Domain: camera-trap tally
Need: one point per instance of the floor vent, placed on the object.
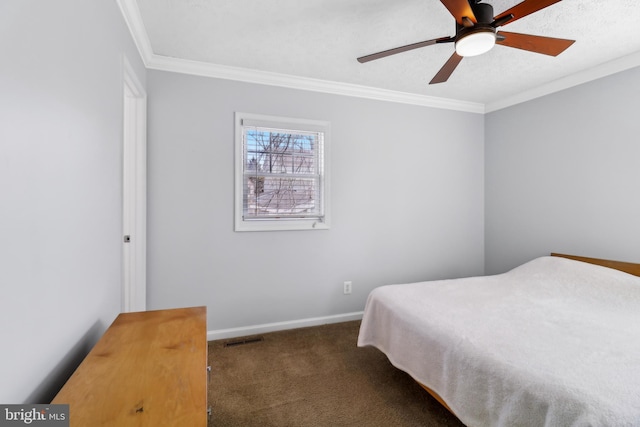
(242, 341)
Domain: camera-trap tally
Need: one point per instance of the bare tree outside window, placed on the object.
(282, 173)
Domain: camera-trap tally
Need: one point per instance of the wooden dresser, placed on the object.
(148, 369)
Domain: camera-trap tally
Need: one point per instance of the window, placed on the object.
(281, 173)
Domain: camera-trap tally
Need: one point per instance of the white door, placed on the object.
(134, 200)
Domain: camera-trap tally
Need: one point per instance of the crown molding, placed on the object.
(133, 19)
(594, 73)
(204, 69)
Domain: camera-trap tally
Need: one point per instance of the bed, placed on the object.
(553, 342)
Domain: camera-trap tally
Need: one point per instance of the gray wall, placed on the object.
(563, 174)
(60, 186)
(406, 193)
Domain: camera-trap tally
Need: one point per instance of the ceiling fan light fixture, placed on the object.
(476, 42)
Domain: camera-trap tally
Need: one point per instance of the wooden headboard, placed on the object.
(627, 267)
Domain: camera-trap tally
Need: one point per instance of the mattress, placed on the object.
(553, 342)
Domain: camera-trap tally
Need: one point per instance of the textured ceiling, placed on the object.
(321, 39)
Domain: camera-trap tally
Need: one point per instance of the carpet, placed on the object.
(314, 377)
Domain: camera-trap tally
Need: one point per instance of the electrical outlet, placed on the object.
(347, 288)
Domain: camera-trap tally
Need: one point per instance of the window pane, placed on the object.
(276, 151)
(280, 178)
(281, 197)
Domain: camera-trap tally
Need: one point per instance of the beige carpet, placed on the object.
(315, 377)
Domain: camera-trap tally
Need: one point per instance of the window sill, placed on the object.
(279, 225)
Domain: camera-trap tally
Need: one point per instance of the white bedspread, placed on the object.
(553, 342)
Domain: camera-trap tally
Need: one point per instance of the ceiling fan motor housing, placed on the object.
(484, 17)
(483, 12)
(483, 32)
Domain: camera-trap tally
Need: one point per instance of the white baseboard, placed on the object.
(281, 326)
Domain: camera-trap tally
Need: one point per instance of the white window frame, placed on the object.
(243, 120)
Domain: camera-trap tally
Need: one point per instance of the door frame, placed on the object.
(134, 192)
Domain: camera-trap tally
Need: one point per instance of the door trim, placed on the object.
(134, 191)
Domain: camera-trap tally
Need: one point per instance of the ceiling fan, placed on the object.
(476, 33)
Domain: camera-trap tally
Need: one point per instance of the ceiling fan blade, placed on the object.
(460, 9)
(539, 44)
(401, 49)
(527, 7)
(447, 69)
